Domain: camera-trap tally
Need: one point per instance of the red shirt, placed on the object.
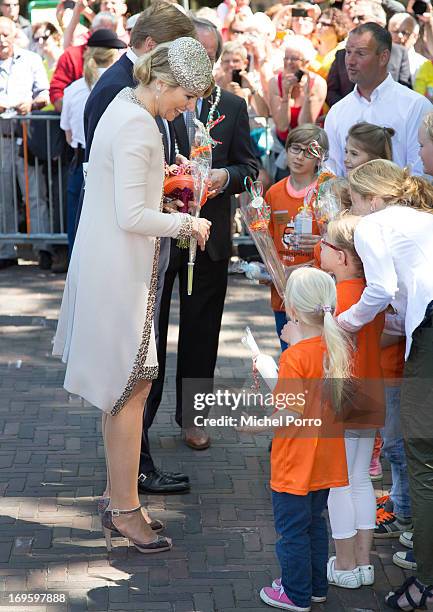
(69, 69)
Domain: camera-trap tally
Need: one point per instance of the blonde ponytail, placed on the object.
(395, 185)
(311, 295)
(94, 58)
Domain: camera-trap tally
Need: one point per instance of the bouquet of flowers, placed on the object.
(256, 215)
(179, 185)
(201, 164)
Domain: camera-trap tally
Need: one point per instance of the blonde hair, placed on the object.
(301, 44)
(232, 46)
(94, 58)
(154, 65)
(428, 124)
(395, 185)
(341, 233)
(162, 22)
(312, 295)
(373, 139)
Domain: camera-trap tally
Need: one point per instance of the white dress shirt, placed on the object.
(72, 117)
(396, 249)
(392, 105)
(416, 60)
(22, 78)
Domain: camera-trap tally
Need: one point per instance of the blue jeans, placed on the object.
(280, 321)
(393, 450)
(75, 182)
(302, 549)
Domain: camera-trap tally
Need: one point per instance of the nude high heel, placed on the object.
(160, 544)
(103, 504)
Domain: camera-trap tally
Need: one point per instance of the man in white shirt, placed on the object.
(404, 30)
(23, 87)
(377, 99)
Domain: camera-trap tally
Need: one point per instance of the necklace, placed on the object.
(210, 116)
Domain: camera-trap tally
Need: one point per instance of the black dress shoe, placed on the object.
(160, 483)
(7, 263)
(175, 475)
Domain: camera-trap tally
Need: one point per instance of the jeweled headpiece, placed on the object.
(190, 65)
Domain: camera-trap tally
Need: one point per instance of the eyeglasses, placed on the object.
(43, 37)
(296, 149)
(401, 32)
(293, 58)
(331, 246)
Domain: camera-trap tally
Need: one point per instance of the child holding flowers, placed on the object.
(306, 146)
(307, 461)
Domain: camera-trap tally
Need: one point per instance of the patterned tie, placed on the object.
(190, 126)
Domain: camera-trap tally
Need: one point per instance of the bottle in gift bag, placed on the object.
(303, 225)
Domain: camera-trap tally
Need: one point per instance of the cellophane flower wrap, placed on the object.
(201, 164)
(256, 215)
(326, 202)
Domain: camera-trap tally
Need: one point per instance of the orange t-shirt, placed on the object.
(392, 362)
(368, 413)
(285, 203)
(306, 458)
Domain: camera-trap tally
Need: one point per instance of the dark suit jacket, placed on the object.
(338, 81)
(235, 154)
(118, 76)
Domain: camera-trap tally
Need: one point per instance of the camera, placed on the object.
(236, 77)
(420, 7)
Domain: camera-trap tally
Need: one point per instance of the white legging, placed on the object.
(354, 507)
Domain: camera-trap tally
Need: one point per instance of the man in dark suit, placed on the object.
(338, 81)
(159, 23)
(201, 313)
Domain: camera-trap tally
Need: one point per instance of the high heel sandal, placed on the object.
(160, 544)
(425, 591)
(103, 504)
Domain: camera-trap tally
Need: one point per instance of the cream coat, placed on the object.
(105, 331)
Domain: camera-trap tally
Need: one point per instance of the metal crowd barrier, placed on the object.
(32, 179)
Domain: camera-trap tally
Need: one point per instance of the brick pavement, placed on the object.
(52, 467)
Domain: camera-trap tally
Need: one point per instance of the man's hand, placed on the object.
(23, 108)
(218, 179)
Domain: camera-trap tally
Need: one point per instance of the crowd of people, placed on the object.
(289, 95)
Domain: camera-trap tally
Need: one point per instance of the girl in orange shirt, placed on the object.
(307, 459)
(352, 509)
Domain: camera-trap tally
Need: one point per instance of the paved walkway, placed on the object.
(52, 469)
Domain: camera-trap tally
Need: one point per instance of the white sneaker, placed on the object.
(347, 579)
(406, 539)
(367, 574)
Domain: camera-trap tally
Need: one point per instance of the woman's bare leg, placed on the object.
(106, 492)
(122, 447)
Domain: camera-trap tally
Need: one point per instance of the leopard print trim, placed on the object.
(185, 230)
(139, 370)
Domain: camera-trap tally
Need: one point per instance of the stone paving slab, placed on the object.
(52, 469)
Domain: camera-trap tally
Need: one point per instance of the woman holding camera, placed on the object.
(296, 95)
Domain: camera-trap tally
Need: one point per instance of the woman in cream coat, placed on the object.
(105, 333)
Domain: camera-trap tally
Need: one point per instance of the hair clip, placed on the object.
(322, 308)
